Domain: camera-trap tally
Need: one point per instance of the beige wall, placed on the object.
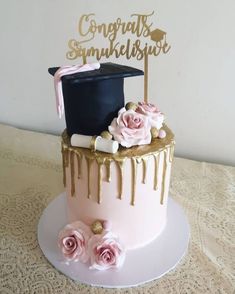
(193, 84)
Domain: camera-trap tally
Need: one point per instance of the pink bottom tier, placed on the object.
(138, 214)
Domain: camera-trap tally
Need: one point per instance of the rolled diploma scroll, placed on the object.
(101, 144)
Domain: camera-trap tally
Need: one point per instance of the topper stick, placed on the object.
(84, 59)
(146, 78)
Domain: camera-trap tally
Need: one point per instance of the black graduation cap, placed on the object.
(93, 98)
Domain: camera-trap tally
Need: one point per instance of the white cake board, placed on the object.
(141, 265)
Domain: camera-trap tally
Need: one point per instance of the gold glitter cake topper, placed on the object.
(137, 28)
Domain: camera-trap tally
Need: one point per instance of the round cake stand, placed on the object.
(141, 265)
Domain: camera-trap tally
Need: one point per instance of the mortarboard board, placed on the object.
(93, 98)
(157, 35)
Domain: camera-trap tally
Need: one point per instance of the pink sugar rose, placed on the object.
(73, 241)
(105, 251)
(155, 116)
(131, 128)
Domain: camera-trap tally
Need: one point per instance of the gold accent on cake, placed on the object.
(89, 161)
(136, 151)
(108, 169)
(134, 176)
(79, 162)
(138, 160)
(97, 227)
(72, 173)
(100, 162)
(92, 144)
(137, 154)
(106, 135)
(164, 175)
(154, 133)
(65, 155)
(131, 105)
(120, 163)
(172, 148)
(145, 164)
(156, 164)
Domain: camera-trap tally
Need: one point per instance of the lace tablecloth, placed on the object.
(31, 176)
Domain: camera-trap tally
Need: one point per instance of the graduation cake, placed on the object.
(116, 165)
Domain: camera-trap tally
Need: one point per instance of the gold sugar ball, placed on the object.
(106, 135)
(131, 105)
(97, 227)
(154, 132)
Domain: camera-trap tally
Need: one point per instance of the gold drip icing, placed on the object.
(100, 162)
(65, 162)
(120, 163)
(108, 164)
(79, 162)
(66, 156)
(157, 145)
(138, 160)
(89, 161)
(164, 175)
(172, 148)
(72, 173)
(145, 164)
(156, 165)
(137, 153)
(134, 175)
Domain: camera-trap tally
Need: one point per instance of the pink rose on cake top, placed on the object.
(131, 128)
(136, 124)
(73, 241)
(155, 116)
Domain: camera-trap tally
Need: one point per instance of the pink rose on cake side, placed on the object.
(73, 241)
(106, 252)
(131, 128)
(155, 116)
